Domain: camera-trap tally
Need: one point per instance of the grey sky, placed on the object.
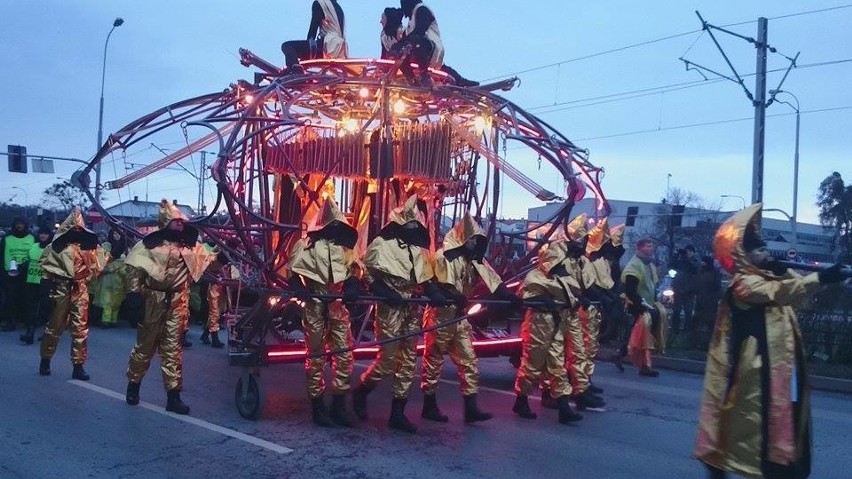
(168, 51)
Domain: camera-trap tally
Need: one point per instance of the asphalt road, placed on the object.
(54, 427)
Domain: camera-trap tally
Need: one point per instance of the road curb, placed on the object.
(820, 383)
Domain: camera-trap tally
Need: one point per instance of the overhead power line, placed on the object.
(656, 40)
(709, 123)
(643, 92)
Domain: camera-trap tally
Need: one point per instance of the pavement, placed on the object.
(55, 427)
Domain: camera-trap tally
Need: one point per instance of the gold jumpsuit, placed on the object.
(596, 273)
(161, 270)
(70, 269)
(577, 357)
(543, 332)
(402, 267)
(323, 266)
(459, 275)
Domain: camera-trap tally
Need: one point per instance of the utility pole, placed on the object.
(758, 98)
(759, 111)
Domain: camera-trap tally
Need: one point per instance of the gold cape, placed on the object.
(730, 424)
(457, 272)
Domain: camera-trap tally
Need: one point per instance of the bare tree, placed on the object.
(64, 196)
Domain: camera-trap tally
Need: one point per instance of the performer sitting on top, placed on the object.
(324, 263)
(457, 267)
(326, 36)
(161, 267)
(543, 334)
(70, 262)
(423, 37)
(397, 261)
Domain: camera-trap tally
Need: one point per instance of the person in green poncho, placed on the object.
(14, 250)
(37, 301)
(111, 287)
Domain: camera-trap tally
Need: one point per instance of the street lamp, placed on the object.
(736, 196)
(26, 196)
(795, 155)
(117, 23)
(792, 220)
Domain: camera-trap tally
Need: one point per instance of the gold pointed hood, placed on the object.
(616, 235)
(553, 255)
(464, 230)
(331, 223)
(399, 217)
(169, 212)
(407, 213)
(728, 242)
(577, 229)
(598, 236)
(73, 230)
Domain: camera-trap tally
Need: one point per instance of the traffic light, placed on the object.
(632, 211)
(677, 215)
(17, 158)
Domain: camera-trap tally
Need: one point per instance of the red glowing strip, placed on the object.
(345, 61)
(492, 342)
(420, 347)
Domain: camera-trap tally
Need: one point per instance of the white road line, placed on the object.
(189, 419)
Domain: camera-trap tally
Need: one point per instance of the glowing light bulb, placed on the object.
(364, 92)
(249, 98)
(351, 125)
(399, 107)
(474, 309)
(480, 124)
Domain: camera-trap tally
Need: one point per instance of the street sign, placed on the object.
(792, 254)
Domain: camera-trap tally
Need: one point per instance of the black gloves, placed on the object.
(545, 303)
(777, 269)
(300, 291)
(832, 274)
(392, 298)
(505, 294)
(436, 298)
(351, 290)
(459, 300)
(584, 301)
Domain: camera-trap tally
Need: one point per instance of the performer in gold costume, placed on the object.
(601, 290)
(161, 267)
(398, 264)
(755, 416)
(543, 333)
(650, 318)
(457, 265)
(577, 275)
(324, 263)
(70, 262)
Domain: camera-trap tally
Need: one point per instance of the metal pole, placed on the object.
(794, 218)
(201, 183)
(115, 24)
(759, 111)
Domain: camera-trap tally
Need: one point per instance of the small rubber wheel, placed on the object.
(250, 402)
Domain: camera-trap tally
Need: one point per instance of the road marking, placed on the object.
(189, 419)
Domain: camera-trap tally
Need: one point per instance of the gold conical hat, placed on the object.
(329, 212)
(577, 228)
(598, 236)
(75, 218)
(728, 242)
(616, 235)
(407, 213)
(464, 230)
(169, 212)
